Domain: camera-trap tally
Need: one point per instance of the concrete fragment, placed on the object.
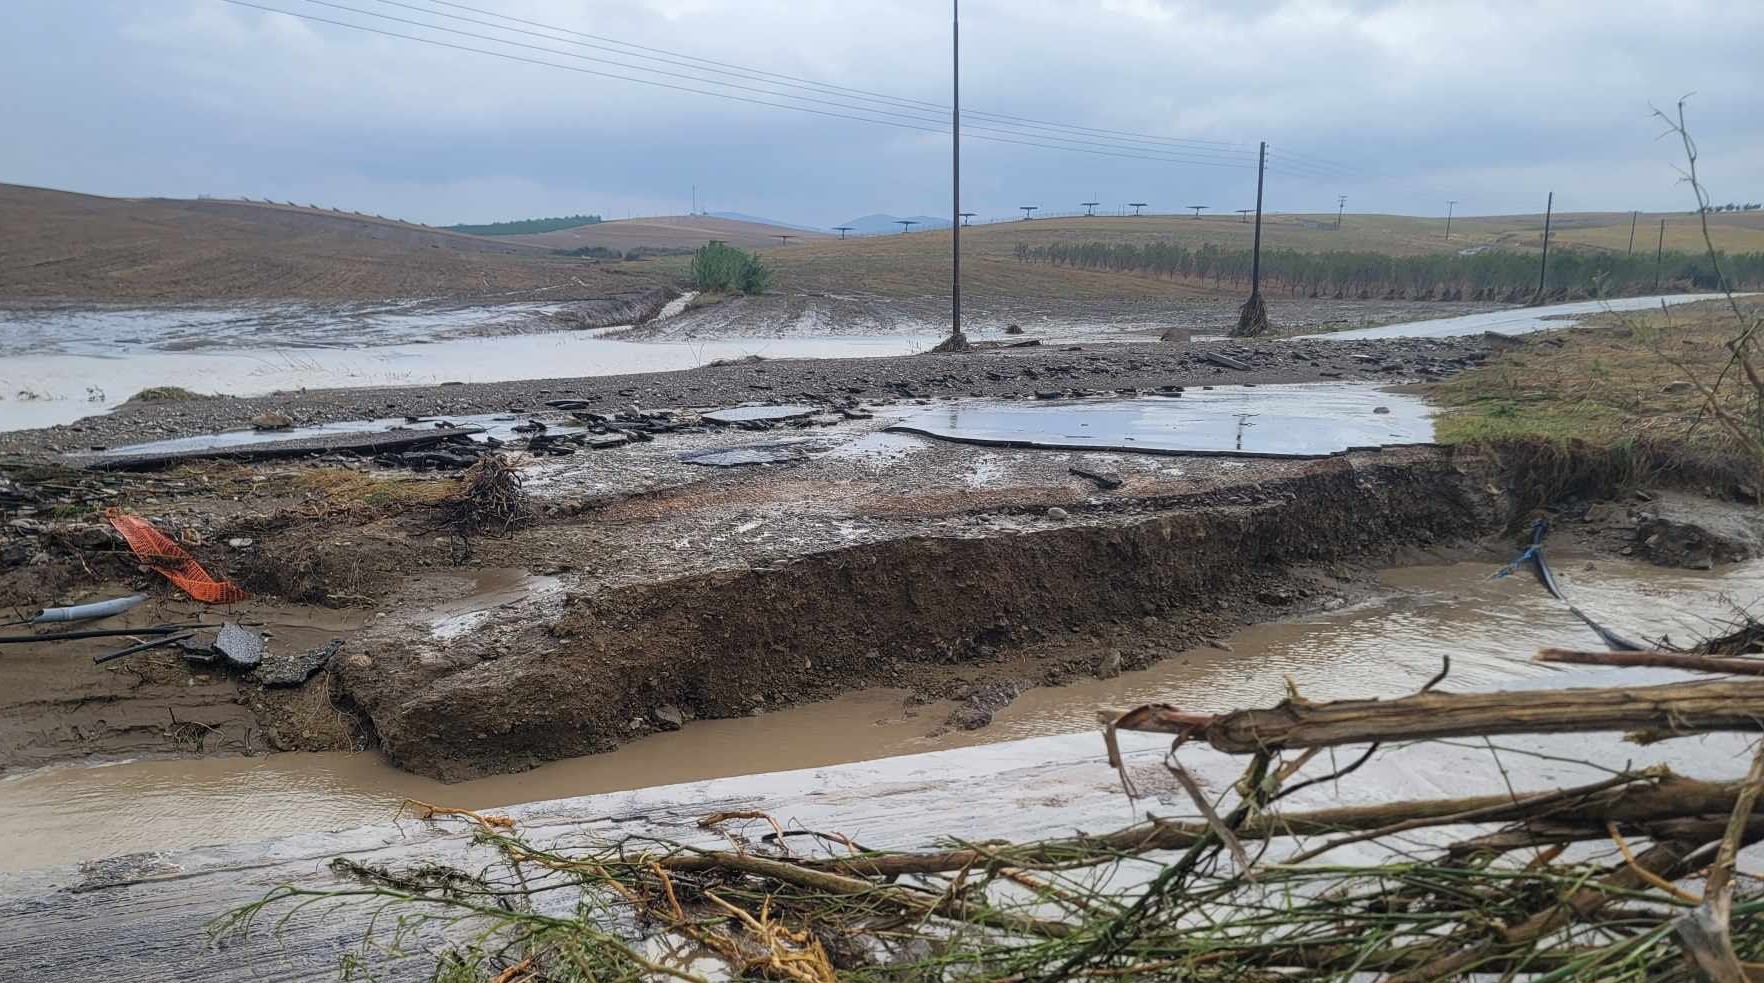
(292, 670)
(240, 646)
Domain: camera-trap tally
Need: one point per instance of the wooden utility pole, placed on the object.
(1544, 268)
(1256, 260)
(957, 340)
(1659, 254)
(1450, 206)
(1252, 320)
(1340, 207)
(1632, 217)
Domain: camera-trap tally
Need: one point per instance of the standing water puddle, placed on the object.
(1253, 421)
(1490, 628)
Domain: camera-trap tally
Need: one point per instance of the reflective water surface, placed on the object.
(1312, 420)
(1489, 628)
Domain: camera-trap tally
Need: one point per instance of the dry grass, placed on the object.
(342, 488)
(1603, 408)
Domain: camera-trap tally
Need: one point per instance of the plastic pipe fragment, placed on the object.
(88, 612)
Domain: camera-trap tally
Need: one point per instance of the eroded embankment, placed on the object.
(590, 670)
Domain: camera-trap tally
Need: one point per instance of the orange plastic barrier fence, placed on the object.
(158, 551)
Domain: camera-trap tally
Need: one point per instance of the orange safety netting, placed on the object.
(157, 550)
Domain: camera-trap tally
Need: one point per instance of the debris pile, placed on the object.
(1630, 876)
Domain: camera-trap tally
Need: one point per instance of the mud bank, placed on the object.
(597, 667)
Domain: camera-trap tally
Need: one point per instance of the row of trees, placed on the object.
(1486, 275)
(526, 226)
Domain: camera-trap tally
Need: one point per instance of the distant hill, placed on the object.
(525, 226)
(758, 220)
(666, 233)
(873, 224)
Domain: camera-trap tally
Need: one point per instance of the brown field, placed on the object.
(70, 246)
(60, 245)
(666, 232)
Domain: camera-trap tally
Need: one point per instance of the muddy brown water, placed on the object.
(1488, 627)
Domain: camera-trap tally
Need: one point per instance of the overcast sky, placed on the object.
(1398, 105)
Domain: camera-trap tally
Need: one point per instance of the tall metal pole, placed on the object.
(1256, 263)
(1450, 207)
(955, 159)
(1549, 208)
(1659, 254)
(1632, 217)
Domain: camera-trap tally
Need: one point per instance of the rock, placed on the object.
(1058, 514)
(1226, 361)
(1381, 410)
(271, 420)
(669, 716)
(239, 543)
(1013, 329)
(982, 702)
(1675, 388)
(292, 670)
(1109, 666)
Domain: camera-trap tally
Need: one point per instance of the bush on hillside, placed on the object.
(720, 267)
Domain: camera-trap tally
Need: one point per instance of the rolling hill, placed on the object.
(63, 245)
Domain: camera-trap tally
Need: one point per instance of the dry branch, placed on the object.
(1655, 660)
(1717, 705)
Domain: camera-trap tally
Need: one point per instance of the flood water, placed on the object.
(1313, 420)
(1520, 320)
(1489, 628)
(39, 390)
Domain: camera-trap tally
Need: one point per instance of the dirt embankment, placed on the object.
(597, 668)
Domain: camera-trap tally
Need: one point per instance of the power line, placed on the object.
(756, 73)
(1194, 157)
(854, 115)
(1188, 157)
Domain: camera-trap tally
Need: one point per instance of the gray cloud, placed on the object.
(1492, 103)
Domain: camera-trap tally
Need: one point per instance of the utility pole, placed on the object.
(1659, 254)
(1544, 268)
(906, 224)
(1450, 206)
(957, 340)
(1632, 217)
(1340, 206)
(1252, 321)
(1243, 214)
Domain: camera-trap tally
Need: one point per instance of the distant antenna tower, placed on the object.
(842, 230)
(1090, 208)
(1198, 209)
(1029, 211)
(1243, 214)
(1136, 206)
(906, 224)
(967, 218)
